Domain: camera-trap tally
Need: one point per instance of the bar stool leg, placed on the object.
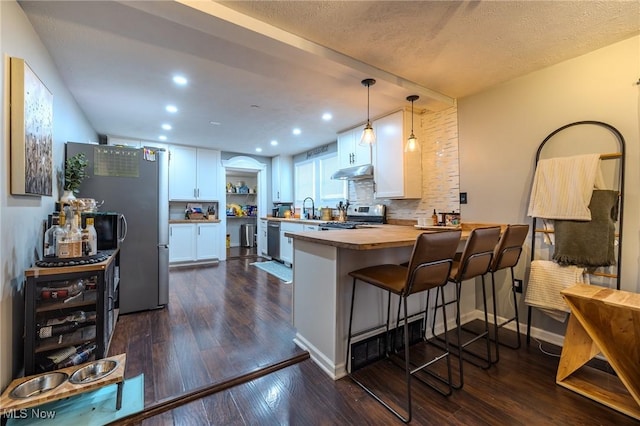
(440, 291)
(496, 327)
(407, 370)
(515, 317)
(484, 334)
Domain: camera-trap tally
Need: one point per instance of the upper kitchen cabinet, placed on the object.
(282, 179)
(193, 173)
(350, 152)
(397, 174)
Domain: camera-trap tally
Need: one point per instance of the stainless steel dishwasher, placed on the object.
(273, 239)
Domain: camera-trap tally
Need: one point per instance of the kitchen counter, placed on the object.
(322, 261)
(193, 221)
(369, 237)
(294, 220)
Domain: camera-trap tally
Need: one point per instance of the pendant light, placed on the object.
(412, 144)
(368, 136)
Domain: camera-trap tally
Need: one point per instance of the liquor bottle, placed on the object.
(63, 246)
(434, 217)
(75, 236)
(78, 316)
(56, 330)
(93, 236)
(50, 237)
(83, 354)
(86, 245)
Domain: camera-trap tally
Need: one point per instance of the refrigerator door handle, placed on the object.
(123, 228)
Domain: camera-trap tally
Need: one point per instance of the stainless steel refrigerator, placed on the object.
(134, 182)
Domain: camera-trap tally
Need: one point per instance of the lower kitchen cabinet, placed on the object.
(71, 312)
(189, 242)
(181, 242)
(207, 237)
(262, 237)
(286, 243)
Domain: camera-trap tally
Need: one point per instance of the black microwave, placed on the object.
(111, 228)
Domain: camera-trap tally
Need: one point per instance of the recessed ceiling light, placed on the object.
(327, 116)
(166, 126)
(274, 143)
(171, 108)
(214, 123)
(297, 131)
(258, 149)
(179, 80)
(162, 137)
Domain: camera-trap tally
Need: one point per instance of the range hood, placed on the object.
(354, 173)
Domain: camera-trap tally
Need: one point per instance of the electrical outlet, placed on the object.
(463, 198)
(517, 284)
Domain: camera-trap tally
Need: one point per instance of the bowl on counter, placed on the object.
(39, 385)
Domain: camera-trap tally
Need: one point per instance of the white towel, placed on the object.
(562, 187)
(546, 280)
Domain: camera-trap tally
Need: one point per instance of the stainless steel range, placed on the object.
(357, 216)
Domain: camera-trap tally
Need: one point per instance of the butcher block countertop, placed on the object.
(194, 221)
(374, 237)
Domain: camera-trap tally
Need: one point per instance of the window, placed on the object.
(312, 178)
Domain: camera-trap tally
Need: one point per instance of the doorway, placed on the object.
(245, 203)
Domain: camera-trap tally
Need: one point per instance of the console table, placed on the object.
(603, 321)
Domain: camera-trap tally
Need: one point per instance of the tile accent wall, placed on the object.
(438, 137)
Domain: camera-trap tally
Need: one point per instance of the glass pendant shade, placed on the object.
(412, 144)
(368, 136)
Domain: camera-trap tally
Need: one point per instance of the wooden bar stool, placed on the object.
(473, 262)
(506, 255)
(428, 268)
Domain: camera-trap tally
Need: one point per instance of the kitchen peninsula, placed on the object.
(322, 287)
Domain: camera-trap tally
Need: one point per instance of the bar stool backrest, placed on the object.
(431, 260)
(507, 252)
(477, 253)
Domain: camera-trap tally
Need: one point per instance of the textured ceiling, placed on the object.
(454, 47)
(261, 68)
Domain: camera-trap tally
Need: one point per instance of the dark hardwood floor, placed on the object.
(233, 318)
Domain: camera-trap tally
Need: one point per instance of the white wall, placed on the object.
(501, 128)
(21, 217)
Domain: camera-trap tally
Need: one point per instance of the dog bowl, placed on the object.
(94, 371)
(38, 385)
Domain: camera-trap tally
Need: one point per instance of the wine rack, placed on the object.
(70, 313)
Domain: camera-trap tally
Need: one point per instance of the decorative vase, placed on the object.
(67, 196)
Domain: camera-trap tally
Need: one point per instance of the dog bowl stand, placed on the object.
(66, 389)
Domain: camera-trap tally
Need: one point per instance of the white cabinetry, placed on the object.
(207, 236)
(286, 243)
(262, 237)
(350, 152)
(282, 178)
(397, 174)
(181, 242)
(190, 242)
(193, 173)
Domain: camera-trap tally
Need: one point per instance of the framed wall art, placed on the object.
(31, 132)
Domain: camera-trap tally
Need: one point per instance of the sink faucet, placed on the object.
(313, 208)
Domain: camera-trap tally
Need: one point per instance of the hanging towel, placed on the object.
(562, 187)
(589, 243)
(546, 280)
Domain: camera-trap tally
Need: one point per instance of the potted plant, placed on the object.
(74, 174)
